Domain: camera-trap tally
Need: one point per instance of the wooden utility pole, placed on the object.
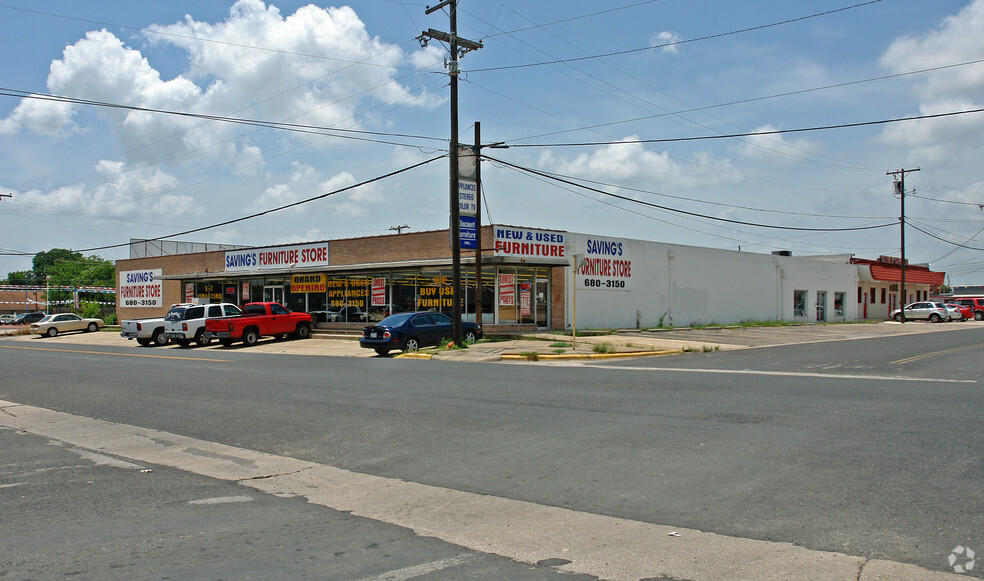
(459, 46)
(900, 190)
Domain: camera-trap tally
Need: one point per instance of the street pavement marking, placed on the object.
(114, 354)
(603, 546)
(784, 373)
(222, 500)
(407, 573)
(934, 354)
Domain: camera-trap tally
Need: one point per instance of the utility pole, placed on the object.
(459, 46)
(900, 190)
(399, 229)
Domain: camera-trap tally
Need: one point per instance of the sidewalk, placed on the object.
(549, 346)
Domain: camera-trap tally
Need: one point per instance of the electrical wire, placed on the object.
(749, 134)
(676, 43)
(684, 212)
(256, 214)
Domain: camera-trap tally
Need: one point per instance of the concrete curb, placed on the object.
(574, 356)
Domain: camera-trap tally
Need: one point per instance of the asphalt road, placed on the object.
(869, 448)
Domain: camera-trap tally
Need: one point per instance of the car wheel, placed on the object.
(412, 344)
(934, 318)
(469, 336)
(144, 342)
(979, 315)
(898, 317)
(158, 338)
(250, 337)
(303, 331)
(200, 339)
(51, 332)
(381, 351)
(92, 328)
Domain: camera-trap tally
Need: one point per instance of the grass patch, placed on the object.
(560, 344)
(530, 355)
(604, 347)
(495, 339)
(448, 344)
(559, 351)
(702, 349)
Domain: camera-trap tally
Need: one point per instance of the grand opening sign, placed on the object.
(273, 257)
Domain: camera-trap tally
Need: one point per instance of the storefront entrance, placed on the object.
(273, 294)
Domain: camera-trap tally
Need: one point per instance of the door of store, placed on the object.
(273, 294)
(542, 300)
(821, 306)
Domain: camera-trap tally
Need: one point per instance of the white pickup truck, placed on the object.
(185, 323)
(145, 331)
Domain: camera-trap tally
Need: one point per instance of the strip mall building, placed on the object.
(530, 279)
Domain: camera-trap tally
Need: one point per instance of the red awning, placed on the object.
(913, 275)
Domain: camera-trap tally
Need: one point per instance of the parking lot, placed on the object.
(547, 345)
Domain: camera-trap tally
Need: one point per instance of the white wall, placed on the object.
(678, 285)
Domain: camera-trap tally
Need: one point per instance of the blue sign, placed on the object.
(467, 232)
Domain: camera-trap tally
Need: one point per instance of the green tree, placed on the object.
(22, 277)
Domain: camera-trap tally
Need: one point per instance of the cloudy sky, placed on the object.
(767, 128)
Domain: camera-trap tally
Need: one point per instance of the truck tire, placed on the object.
(200, 339)
(158, 338)
(303, 331)
(250, 337)
(979, 315)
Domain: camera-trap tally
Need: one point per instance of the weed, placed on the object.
(604, 347)
(559, 351)
(560, 344)
(530, 355)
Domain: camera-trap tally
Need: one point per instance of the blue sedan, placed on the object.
(411, 331)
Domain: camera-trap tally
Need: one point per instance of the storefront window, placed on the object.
(839, 304)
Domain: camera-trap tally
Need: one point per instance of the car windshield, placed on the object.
(395, 320)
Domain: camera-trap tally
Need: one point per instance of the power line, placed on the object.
(749, 134)
(676, 43)
(683, 212)
(257, 214)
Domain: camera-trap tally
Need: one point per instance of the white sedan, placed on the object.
(51, 325)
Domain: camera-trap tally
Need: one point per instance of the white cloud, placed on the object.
(957, 39)
(38, 115)
(306, 182)
(289, 79)
(667, 40)
(629, 163)
(138, 194)
(775, 148)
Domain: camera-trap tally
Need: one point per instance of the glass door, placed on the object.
(542, 300)
(821, 306)
(273, 294)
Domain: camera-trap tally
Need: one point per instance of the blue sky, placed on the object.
(551, 76)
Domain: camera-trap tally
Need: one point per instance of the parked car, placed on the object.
(28, 318)
(975, 304)
(958, 312)
(185, 323)
(258, 320)
(6, 319)
(51, 325)
(411, 331)
(933, 312)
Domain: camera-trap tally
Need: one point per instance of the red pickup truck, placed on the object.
(259, 320)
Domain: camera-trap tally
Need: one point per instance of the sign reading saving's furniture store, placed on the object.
(536, 245)
(140, 288)
(272, 257)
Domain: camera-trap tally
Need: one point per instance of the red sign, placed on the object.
(507, 289)
(379, 292)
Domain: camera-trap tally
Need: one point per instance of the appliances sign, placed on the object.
(273, 257)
